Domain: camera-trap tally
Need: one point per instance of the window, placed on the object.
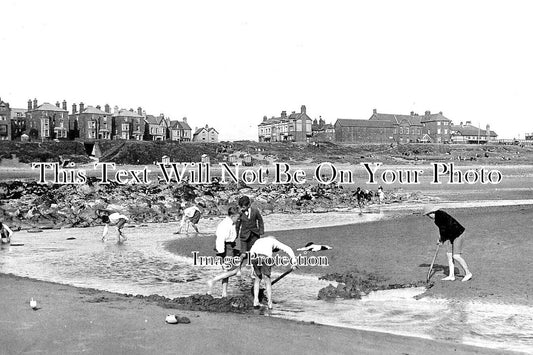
(91, 124)
(438, 130)
(125, 127)
(401, 130)
(406, 130)
(445, 131)
(438, 123)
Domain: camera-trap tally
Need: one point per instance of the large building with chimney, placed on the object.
(397, 128)
(90, 123)
(296, 127)
(47, 121)
(180, 131)
(128, 124)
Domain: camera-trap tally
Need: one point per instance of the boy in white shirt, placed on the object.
(225, 246)
(260, 253)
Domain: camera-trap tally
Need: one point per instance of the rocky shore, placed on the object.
(29, 205)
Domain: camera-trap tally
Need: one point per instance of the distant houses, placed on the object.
(296, 127)
(466, 133)
(205, 135)
(89, 123)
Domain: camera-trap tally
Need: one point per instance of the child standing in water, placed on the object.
(112, 219)
(5, 233)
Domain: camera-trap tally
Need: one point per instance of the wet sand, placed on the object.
(71, 320)
(498, 251)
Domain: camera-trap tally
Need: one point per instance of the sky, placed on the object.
(229, 63)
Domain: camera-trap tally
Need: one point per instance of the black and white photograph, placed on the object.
(245, 177)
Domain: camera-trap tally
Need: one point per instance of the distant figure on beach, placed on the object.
(260, 253)
(381, 195)
(191, 216)
(5, 233)
(250, 226)
(110, 218)
(225, 245)
(452, 232)
(360, 196)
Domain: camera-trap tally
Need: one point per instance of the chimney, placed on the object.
(184, 119)
(107, 108)
(144, 113)
(29, 105)
(140, 111)
(283, 114)
(82, 107)
(303, 109)
(65, 105)
(461, 124)
(58, 104)
(487, 131)
(468, 122)
(34, 104)
(265, 118)
(206, 126)
(428, 113)
(162, 115)
(98, 107)
(115, 109)
(440, 112)
(74, 108)
(412, 113)
(374, 111)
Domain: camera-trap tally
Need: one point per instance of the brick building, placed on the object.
(363, 131)
(322, 131)
(47, 121)
(297, 127)
(91, 122)
(180, 131)
(5, 121)
(128, 124)
(155, 128)
(18, 122)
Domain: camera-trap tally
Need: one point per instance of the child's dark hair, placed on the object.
(244, 201)
(105, 219)
(233, 210)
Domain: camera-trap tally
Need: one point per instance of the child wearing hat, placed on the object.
(451, 231)
(113, 219)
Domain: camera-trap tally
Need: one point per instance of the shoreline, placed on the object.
(104, 322)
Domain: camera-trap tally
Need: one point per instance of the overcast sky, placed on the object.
(229, 63)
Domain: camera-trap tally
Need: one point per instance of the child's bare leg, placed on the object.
(462, 262)
(225, 287)
(256, 291)
(195, 227)
(210, 286)
(268, 284)
(451, 266)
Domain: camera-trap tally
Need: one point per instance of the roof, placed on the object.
(413, 120)
(151, 119)
(435, 117)
(126, 113)
(469, 130)
(208, 129)
(363, 123)
(180, 125)
(94, 110)
(49, 107)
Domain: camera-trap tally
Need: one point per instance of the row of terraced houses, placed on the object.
(379, 128)
(47, 121)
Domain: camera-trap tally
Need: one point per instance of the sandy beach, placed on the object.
(74, 320)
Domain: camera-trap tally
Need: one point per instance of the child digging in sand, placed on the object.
(453, 232)
(261, 255)
(225, 246)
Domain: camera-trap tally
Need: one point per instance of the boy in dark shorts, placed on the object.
(225, 246)
(452, 231)
(261, 256)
